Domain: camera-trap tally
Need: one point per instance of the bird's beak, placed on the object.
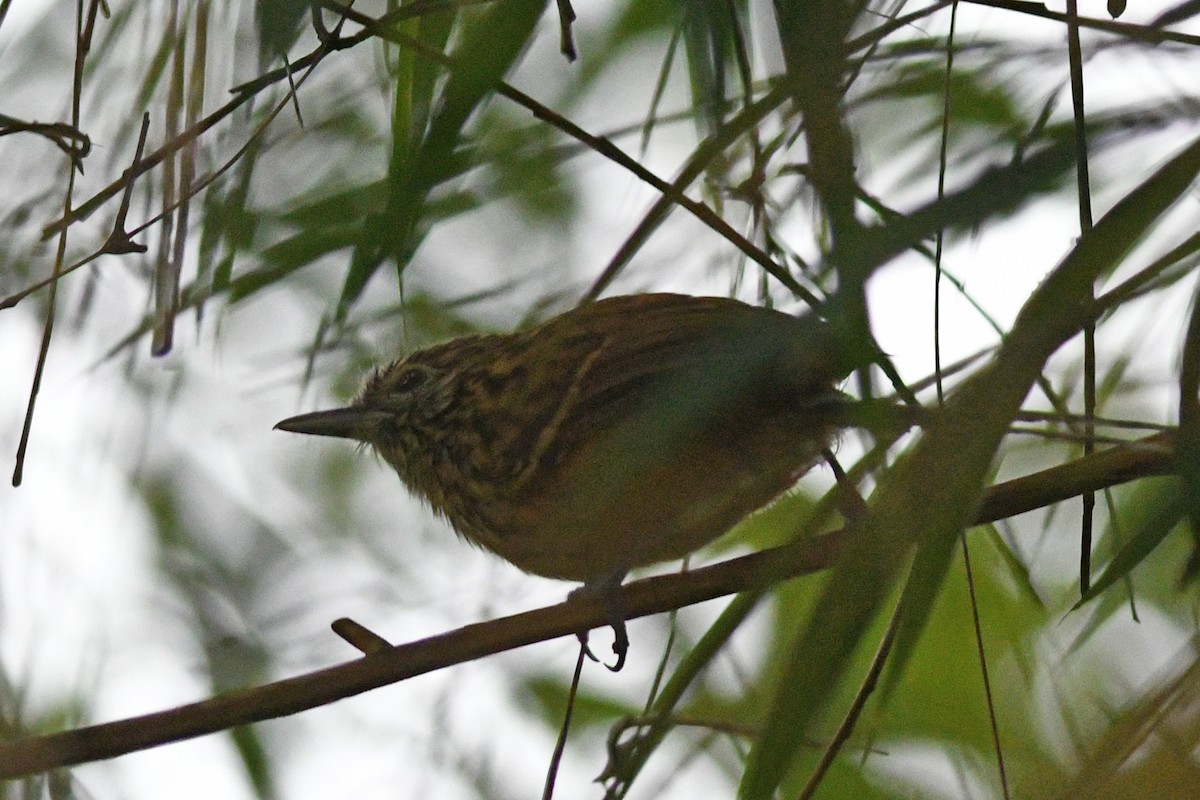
(345, 423)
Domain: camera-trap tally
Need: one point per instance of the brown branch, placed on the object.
(1140, 33)
(1151, 456)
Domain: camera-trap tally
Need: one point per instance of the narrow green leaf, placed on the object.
(1149, 534)
(931, 493)
(489, 46)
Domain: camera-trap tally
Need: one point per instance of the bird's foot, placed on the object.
(607, 592)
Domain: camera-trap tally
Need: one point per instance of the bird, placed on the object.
(626, 432)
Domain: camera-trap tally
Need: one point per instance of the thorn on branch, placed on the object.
(362, 639)
(119, 241)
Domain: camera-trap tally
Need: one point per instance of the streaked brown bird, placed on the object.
(623, 433)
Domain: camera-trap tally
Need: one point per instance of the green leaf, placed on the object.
(910, 508)
(489, 46)
(592, 710)
(712, 37)
(1168, 510)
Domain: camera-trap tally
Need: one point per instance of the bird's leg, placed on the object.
(606, 590)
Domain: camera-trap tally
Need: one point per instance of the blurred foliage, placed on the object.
(427, 179)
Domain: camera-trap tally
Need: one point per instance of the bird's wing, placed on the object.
(654, 368)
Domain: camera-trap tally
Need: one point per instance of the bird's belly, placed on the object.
(591, 520)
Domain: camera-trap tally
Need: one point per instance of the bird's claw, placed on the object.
(620, 646)
(607, 591)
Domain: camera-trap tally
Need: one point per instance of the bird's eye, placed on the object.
(409, 380)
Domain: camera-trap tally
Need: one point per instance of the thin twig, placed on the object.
(561, 745)
(842, 735)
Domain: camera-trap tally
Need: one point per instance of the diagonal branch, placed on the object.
(1154, 455)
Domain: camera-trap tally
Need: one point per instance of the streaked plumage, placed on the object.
(626, 432)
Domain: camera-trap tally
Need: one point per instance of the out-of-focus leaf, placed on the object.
(592, 710)
(908, 509)
(1165, 515)
(343, 207)
(1017, 570)
(524, 166)
(228, 227)
(255, 762)
(644, 20)
(490, 43)
(712, 33)
(1164, 769)
(291, 254)
(1142, 509)
(976, 101)
(278, 23)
